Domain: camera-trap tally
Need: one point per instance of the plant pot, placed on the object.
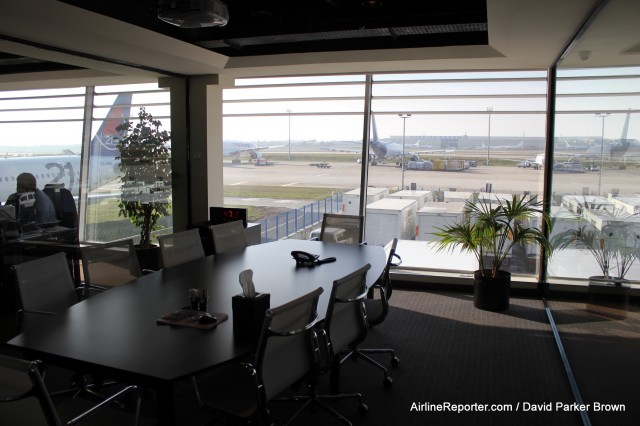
(148, 258)
(491, 293)
(608, 297)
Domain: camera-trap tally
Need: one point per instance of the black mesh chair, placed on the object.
(46, 289)
(342, 228)
(228, 236)
(24, 400)
(377, 307)
(284, 357)
(344, 323)
(109, 265)
(180, 247)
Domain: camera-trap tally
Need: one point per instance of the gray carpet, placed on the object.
(453, 356)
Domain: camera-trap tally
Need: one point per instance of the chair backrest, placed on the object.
(64, 204)
(24, 399)
(342, 228)
(45, 285)
(180, 247)
(229, 236)
(284, 353)
(345, 322)
(110, 264)
(378, 306)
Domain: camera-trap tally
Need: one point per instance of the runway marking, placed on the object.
(239, 183)
(290, 184)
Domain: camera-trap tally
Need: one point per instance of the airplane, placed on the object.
(65, 168)
(385, 151)
(611, 150)
(230, 148)
(502, 147)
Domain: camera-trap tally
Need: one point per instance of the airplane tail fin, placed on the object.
(374, 131)
(625, 128)
(103, 143)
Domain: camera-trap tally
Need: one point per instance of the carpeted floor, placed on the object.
(463, 366)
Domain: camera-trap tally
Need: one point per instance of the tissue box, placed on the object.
(248, 314)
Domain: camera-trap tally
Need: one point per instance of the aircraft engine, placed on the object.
(255, 155)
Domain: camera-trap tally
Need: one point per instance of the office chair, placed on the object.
(377, 308)
(24, 400)
(180, 247)
(64, 204)
(46, 289)
(341, 228)
(344, 323)
(283, 357)
(109, 265)
(228, 236)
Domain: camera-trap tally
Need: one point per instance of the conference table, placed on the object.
(115, 334)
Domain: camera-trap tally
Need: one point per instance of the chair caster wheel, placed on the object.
(388, 381)
(395, 361)
(363, 409)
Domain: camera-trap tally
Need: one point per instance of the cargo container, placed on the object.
(420, 196)
(437, 215)
(351, 199)
(389, 218)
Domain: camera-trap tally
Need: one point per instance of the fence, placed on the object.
(295, 221)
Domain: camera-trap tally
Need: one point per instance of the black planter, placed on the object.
(148, 258)
(608, 297)
(491, 294)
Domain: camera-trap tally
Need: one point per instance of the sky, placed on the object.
(440, 104)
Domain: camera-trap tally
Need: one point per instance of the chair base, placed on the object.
(362, 354)
(315, 400)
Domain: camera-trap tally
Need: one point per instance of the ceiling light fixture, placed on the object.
(372, 3)
(193, 13)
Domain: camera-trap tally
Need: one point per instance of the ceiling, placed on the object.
(80, 42)
(267, 27)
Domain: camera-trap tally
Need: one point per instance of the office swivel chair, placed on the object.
(65, 206)
(24, 400)
(109, 265)
(46, 289)
(228, 236)
(344, 323)
(284, 356)
(341, 228)
(180, 247)
(377, 308)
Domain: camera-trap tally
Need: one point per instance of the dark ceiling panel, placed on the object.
(263, 27)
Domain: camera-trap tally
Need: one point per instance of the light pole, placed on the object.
(404, 123)
(489, 109)
(602, 115)
(289, 112)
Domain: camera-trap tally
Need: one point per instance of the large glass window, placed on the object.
(44, 134)
(298, 143)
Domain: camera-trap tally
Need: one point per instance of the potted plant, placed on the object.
(613, 243)
(615, 246)
(145, 163)
(491, 231)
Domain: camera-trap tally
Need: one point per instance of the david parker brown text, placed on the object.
(519, 406)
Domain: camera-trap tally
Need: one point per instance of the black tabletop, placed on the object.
(116, 333)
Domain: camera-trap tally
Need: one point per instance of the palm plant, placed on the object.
(493, 228)
(615, 246)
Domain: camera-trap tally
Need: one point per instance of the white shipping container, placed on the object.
(420, 196)
(438, 215)
(389, 218)
(351, 199)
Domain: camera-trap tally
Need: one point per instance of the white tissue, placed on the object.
(246, 282)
